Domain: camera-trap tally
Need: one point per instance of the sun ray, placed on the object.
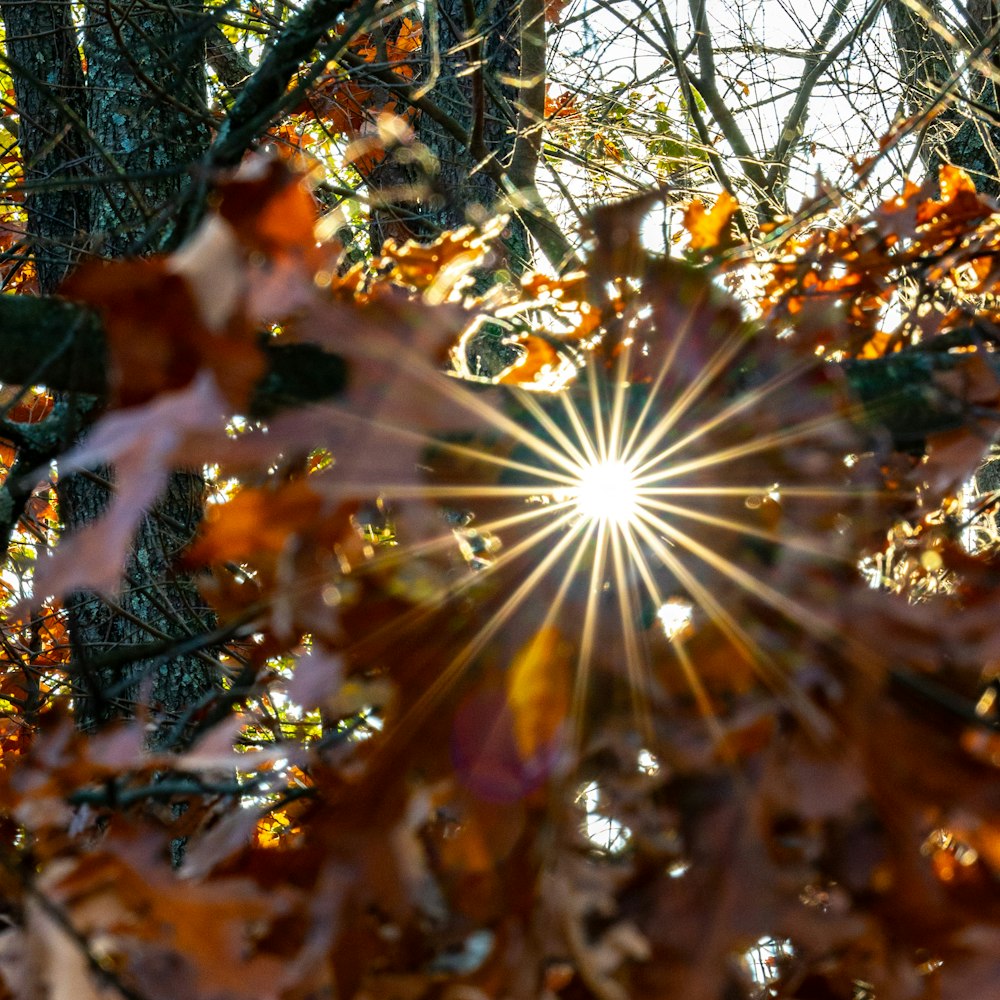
(743, 402)
(410, 491)
(741, 528)
(669, 357)
(428, 606)
(598, 437)
(605, 483)
(763, 442)
(694, 682)
(432, 695)
(588, 630)
(688, 397)
(576, 422)
(453, 389)
(742, 642)
(633, 661)
(619, 396)
(578, 695)
(702, 699)
(756, 489)
(531, 404)
(531, 441)
(447, 537)
(798, 613)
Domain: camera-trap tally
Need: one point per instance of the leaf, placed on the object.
(175, 429)
(256, 522)
(125, 896)
(158, 337)
(318, 676)
(538, 360)
(488, 758)
(563, 106)
(554, 10)
(251, 261)
(617, 231)
(711, 231)
(59, 961)
(283, 546)
(539, 691)
(442, 267)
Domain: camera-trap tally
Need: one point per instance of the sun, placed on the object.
(607, 492)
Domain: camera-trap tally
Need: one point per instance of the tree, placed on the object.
(559, 676)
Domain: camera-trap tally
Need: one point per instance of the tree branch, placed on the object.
(531, 99)
(61, 345)
(266, 92)
(55, 343)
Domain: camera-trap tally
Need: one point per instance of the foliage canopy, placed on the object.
(400, 618)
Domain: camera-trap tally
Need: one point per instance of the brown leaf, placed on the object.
(157, 336)
(251, 261)
(145, 916)
(617, 230)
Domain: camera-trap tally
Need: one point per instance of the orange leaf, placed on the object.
(256, 521)
(448, 258)
(563, 106)
(270, 209)
(711, 231)
(539, 358)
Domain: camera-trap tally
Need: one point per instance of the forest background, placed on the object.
(483, 515)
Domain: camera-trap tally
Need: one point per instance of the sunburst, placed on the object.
(626, 504)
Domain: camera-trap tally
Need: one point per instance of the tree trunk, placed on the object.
(48, 80)
(138, 120)
(956, 134)
(470, 72)
(147, 116)
(472, 68)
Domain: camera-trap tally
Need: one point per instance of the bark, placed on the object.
(156, 603)
(146, 117)
(45, 64)
(957, 133)
(469, 57)
(480, 162)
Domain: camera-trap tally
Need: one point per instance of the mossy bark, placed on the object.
(147, 117)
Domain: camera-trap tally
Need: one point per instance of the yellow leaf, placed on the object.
(539, 690)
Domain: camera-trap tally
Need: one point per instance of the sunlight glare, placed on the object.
(675, 616)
